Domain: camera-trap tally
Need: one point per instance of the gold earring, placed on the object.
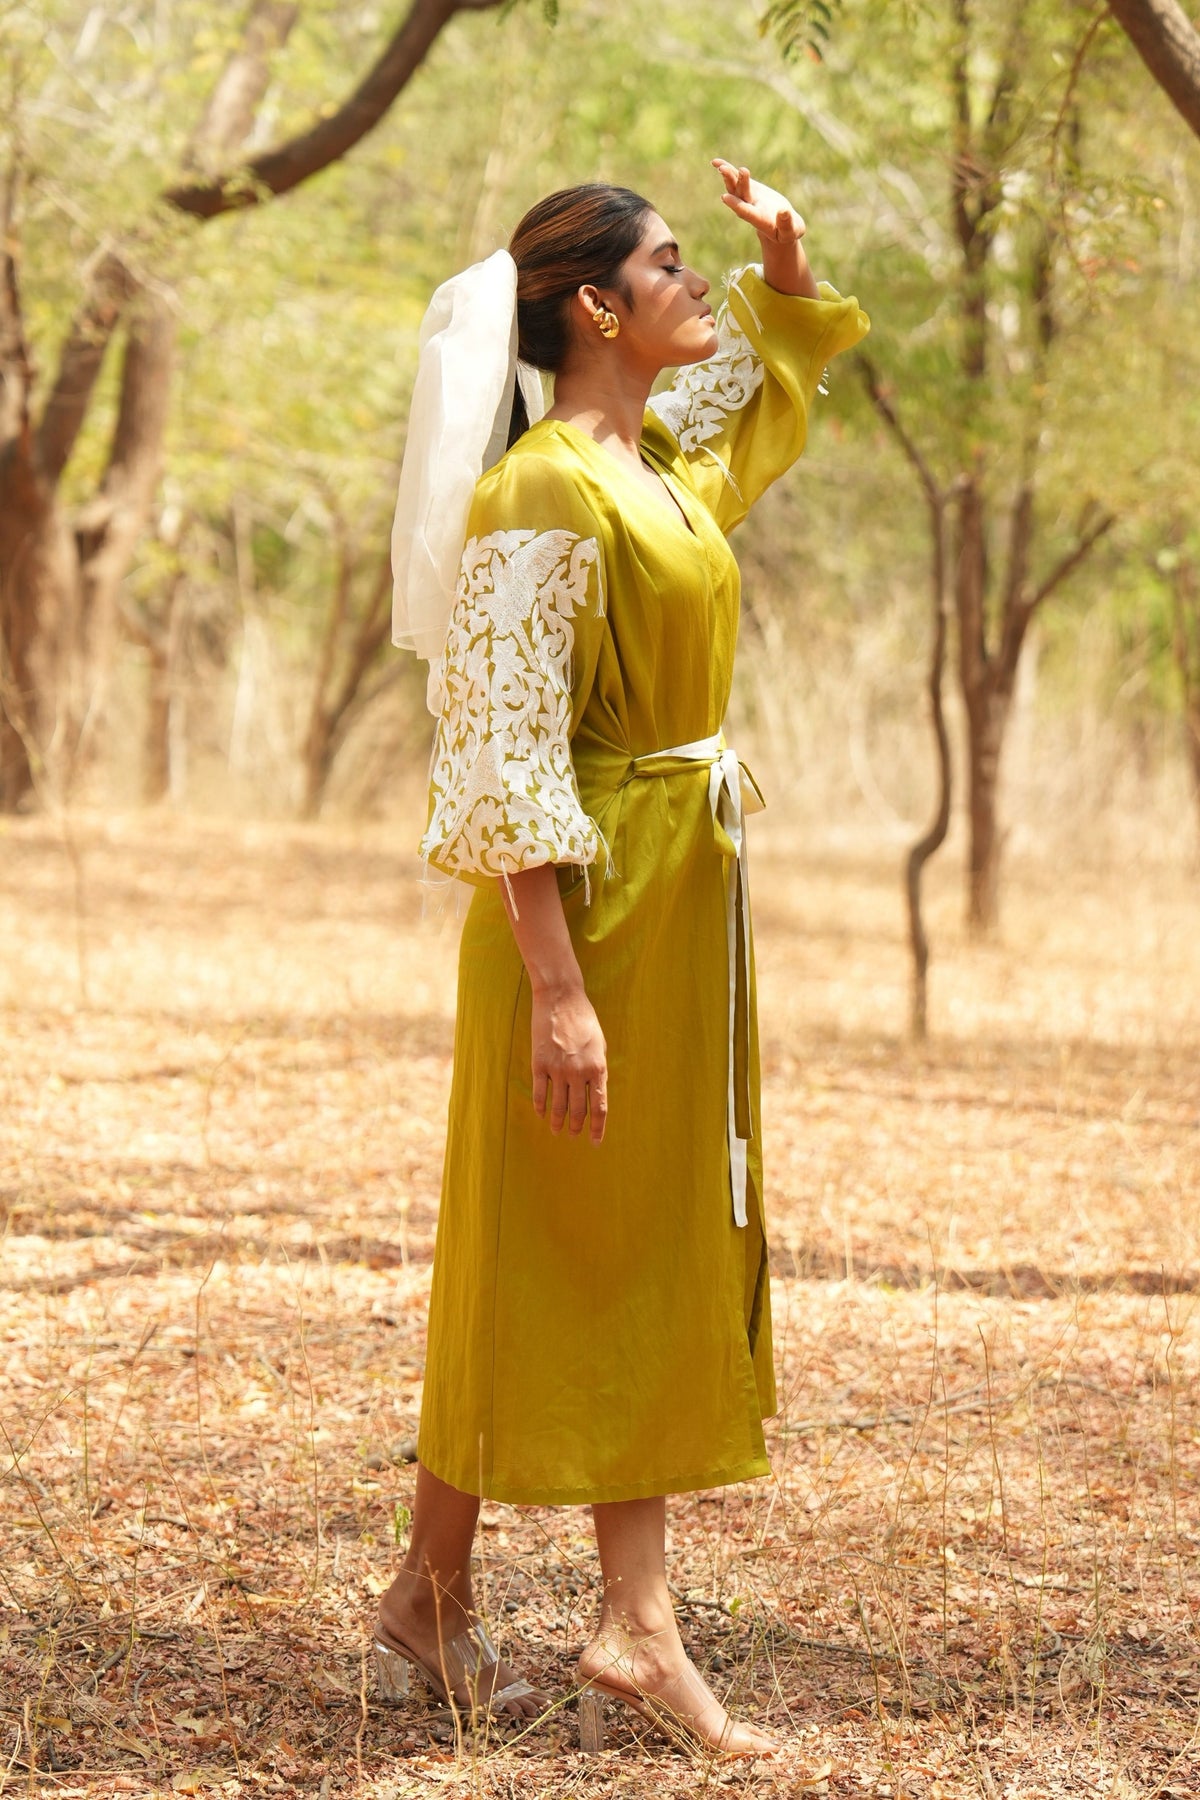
(607, 322)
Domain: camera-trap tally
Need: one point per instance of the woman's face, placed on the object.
(669, 321)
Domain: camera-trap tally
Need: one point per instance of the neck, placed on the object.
(607, 400)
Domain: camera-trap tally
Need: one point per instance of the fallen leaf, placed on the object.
(194, 1781)
(126, 1741)
(333, 1683)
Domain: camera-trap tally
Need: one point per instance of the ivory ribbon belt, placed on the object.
(732, 794)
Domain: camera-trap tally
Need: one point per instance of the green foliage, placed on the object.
(298, 321)
(801, 27)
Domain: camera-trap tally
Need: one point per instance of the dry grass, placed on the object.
(976, 1570)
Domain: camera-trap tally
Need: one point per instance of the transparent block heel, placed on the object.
(465, 1664)
(591, 1721)
(391, 1674)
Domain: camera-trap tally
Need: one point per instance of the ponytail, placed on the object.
(519, 417)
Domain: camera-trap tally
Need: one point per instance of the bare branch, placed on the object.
(332, 715)
(111, 282)
(343, 583)
(233, 104)
(931, 840)
(1169, 45)
(1096, 521)
(882, 403)
(1073, 74)
(108, 526)
(960, 172)
(1007, 80)
(369, 639)
(280, 170)
(16, 362)
(110, 286)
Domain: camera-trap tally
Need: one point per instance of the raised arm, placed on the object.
(740, 419)
(779, 226)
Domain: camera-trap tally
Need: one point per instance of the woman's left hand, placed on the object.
(779, 226)
(773, 217)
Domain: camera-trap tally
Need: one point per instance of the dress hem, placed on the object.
(516, 1494)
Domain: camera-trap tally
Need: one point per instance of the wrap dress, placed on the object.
(599, 1323)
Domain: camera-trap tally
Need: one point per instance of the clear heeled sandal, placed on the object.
(597, 1696)
(465, 1663)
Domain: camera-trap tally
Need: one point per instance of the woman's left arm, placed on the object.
(779, 226)
(740, 418)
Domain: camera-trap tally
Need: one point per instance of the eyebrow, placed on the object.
(669, 245)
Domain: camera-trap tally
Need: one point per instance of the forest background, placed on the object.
(227, 1032)
(214, 633)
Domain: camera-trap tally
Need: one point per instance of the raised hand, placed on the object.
(779, 226)
(773, 217)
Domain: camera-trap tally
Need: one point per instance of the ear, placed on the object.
(589, 298)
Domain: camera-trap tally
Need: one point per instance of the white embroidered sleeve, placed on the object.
(698, 404)
(504, 796)
(741, 418)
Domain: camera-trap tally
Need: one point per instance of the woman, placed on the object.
(599, 1325)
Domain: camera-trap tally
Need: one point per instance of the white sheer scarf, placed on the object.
(457, 427)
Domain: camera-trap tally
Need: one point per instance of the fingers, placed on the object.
(598, 1108)
(768, 212)
(738, 179)
(569, 1065)
(577, 1106)
(573, 1102)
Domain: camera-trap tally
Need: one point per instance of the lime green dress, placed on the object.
(599, 1323)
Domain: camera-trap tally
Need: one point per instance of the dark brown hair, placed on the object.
(577, 237)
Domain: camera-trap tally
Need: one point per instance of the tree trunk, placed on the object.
(1191, 726)
(108, 527)
(987, 719)
(286, 166)
(1169, 45)
(58, 599)
(23, 575)
(931, 841)
(994, 611)
(39, 612)
(161, 637)
(1185, 641)
(335, 705)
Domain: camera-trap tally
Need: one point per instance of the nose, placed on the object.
(699, 285)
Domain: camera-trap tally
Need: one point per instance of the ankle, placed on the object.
(645, 1621)
(447, 1606)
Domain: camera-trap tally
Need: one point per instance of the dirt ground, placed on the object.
(226, 1052)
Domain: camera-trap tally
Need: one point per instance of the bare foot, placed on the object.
(409, 1620)
(659, 1678)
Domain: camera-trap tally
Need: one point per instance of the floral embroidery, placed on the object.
(697, 405)
(504, 791)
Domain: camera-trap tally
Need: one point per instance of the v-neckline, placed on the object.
(677, 510)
